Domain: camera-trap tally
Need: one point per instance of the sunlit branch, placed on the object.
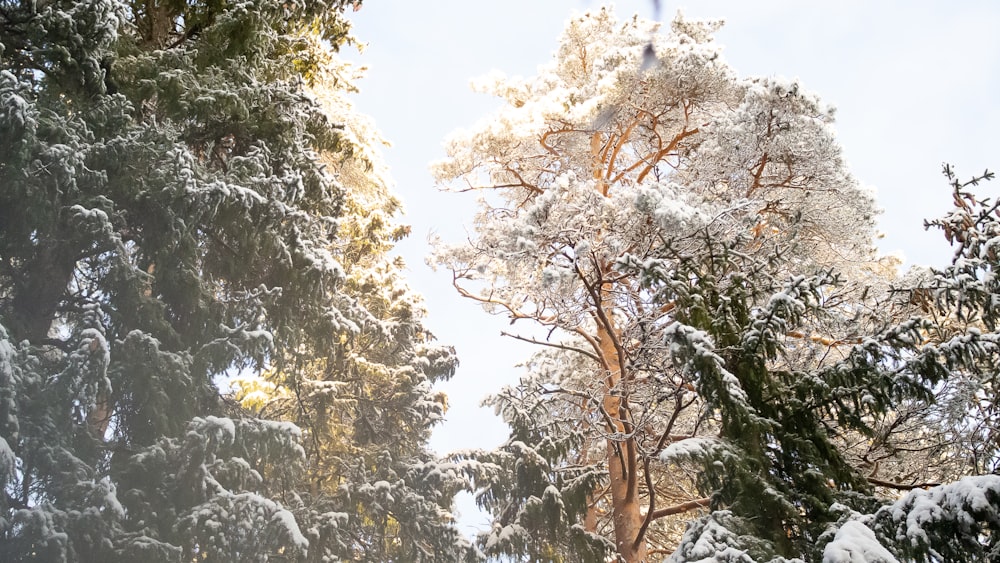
(823, 340)
(901, 486)
(651, 162)
(622, 139)
(682, 507)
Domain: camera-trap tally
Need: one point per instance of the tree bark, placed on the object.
(621, 451)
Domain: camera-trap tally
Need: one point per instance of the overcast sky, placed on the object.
(915, 84)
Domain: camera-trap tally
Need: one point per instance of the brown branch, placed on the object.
(662, 442)
(597, 160)
(542, 140)
(188, 34)
(514, 313)
(618, 147)
(681, 508)
(602, 316)
(530, 187)
(473, 188)
(822, 339)
(630, 445)
(901, 486)
(659, 155)
(757, 175)
(651, 512)
(590, 355)
(652, 506)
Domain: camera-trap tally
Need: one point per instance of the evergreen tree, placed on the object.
(368, 408)
(167, 222)
(952, 347)
(634, 152)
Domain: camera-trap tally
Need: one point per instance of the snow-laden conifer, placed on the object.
(181, 207)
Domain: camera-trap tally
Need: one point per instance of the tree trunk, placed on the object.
(38, 294)
(622, 455)
(625, 504)
(156, 22)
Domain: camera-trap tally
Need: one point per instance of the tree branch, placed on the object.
(682, 507)
(901, 486)
(590, 355)
(822, 339)
(656, 157)
(652, 506)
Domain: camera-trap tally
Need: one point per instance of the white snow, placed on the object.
(690, 448)
(8, 460)
(856, 543)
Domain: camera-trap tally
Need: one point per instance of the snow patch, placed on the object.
(856, 543)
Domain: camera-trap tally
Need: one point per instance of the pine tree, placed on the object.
(648, 206)
(167, 222)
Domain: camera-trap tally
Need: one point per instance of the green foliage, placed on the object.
(778, 473)
(774, 466)
(178, 208)
(537, 484)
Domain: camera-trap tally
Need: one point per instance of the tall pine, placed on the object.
(636, 152)
(728, 373)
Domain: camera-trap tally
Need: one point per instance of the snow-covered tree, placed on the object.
(182, 205)
(959, 520)
(688, 234)
(367, 407)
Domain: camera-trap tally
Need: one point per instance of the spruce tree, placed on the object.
(168, 222)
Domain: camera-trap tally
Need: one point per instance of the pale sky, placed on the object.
(915, 84)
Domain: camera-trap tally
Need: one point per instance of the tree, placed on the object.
(633, 188)
(956, 521)
(368, 409)
(167, 222)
